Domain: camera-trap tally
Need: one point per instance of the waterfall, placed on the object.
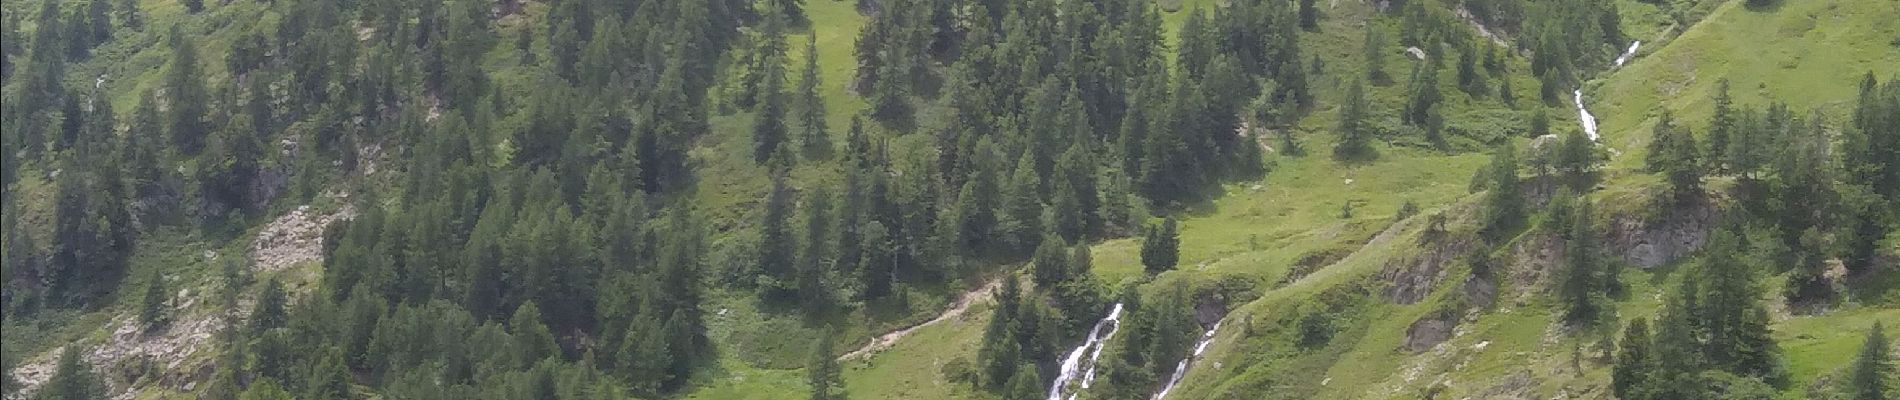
(1583, 117)
(1180, 369)
(1072, 365)
(1628, 53)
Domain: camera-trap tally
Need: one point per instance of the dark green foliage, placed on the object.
(823, 374)
(1634, 361)
(811, 111)
(777, 264)
(1504, 204)
(1309, 15)
(155, 312)
(1672, 151)
(186, 94)
(1576, 162)
(1051, 263)
(1872, 369)
(1161, 247)
(73, 379)
(1583, 284)
(878, 276)
(1355, 134)
(1424, 94)
(269, 311)
(1375, 46)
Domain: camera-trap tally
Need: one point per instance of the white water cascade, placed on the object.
(1072, 366)
(1583, 117)
(1180, 369)
(1628, 53)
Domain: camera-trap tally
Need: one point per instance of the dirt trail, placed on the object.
(886, 340)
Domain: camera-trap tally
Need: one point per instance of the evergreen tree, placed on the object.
(532, 340)
(186, 95)
(811, 115)
(194, 6)
(1021, 222)
(1354, 132)
(1673, 152)
(1374, 57)
(1872, 369)
(814, 264)
(1504, 205)
(1425, 95)
(1738, 339)
(269, 311)
(776, 263)
(1721, 127)
(1582, 285)
(877, 276)
(768, 131)
(1576, 162)
(1309, 15)
(822, 373)
(1051, 263)
(1634, 363)
(156, 311)
(1161, 248)
(72, 379)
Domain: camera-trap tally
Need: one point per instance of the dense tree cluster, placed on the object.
(1712, 337)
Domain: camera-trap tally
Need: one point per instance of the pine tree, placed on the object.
(1872, 369)
(72, 379)
(1161, 248)
(1374, 48)
(1425, 95)
(194, 6)
(269, 311)
(1576, 162)
(1634, 363)
(1309, 16)
(1021, 222)
(1582, 285)
(768, 131)
(1504, 205)
(1354, 135)
(186, 94)
(876, 278)
(811, 117)
(1721, 127)
(822, 373)
(776, 263)
(532, 340)
(1051, 263)
(1673, 152)
(813, 262)
(156, 312)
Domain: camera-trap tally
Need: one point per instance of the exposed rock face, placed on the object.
(131, 353)
(1429, 331)
(294, 238)
(1651, 242)
(1410, 280)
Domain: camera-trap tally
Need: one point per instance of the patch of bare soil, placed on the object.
(957, 309)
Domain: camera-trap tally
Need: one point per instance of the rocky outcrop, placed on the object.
(132, 355)
(1429, 331)
(1648, 242)
(293, 238)
(1410, 280)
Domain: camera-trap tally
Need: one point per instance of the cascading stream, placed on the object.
(1627, 54)
(1589, 121)
(1072, 366)
(1180, 369)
